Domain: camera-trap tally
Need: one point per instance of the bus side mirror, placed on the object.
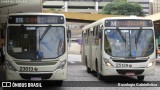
(68, 34)
(100, 34)
(158, 51)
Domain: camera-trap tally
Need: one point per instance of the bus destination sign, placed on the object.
(42, 19)
(128, 23)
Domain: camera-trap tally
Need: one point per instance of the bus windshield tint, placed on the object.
(24, 42)
(115, 46)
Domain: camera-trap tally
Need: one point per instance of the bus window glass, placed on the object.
(132, 46)
(52, 45)
(26, 43)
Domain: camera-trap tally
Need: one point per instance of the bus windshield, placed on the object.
(130, 44)
(35, 42)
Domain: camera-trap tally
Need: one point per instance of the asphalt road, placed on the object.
(79, 79)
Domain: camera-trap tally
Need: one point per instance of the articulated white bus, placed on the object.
(119, 46)
(36, 47)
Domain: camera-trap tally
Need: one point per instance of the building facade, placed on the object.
(145, 4)
(83, 6)
(90, 6)
(18, 6)
(156, 6)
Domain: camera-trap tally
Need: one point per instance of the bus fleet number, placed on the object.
(26, 69)
(123, 65)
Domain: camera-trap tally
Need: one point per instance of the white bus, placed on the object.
(36, 47)
(119, 46)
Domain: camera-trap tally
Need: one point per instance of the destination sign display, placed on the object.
(128, 23)
(41, 19)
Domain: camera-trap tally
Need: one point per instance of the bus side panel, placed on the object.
(87, 55)
(99, 55)
(95, 53)
(94, 50)
(90, 49)
(82, 48)
(87, 49)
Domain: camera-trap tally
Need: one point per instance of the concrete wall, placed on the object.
(18, 6)
(74, 6)
(156, 6)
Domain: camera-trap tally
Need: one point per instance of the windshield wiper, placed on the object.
(41, 38)
(139, 33)
(120, 33)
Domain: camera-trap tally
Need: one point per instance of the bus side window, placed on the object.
(96, 31)
(86, 37)
(91, 33)
(100, 29)
(94, 35)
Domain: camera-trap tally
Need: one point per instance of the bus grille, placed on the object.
(124, 71)
(129, 61)
(35, 63)
(42, 76)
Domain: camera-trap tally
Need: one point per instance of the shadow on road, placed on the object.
(119, 79)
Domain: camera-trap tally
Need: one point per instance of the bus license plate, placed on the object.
(130, 74)
(123, 65)
(36, 78)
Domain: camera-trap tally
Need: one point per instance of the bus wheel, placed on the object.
(140, 78)
(88, 69)
(99, 76)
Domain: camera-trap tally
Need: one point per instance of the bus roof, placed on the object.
(35, 14)
(111, 18)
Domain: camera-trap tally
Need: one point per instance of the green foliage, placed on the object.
(119, 7)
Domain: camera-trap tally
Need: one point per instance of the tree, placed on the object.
(123, 7)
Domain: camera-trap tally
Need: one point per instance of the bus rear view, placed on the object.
(36, 47)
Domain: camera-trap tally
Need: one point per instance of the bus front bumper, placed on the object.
(109, 71)
(59, 74)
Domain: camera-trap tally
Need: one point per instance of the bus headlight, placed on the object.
(150, 64)
(9, 66)
(62, 64)
(108, 63)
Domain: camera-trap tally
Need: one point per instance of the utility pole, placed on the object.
(96, 5)
(66, 6)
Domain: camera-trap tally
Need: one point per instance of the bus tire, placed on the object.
(99, 76)
(140, 78)
(88, 69)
